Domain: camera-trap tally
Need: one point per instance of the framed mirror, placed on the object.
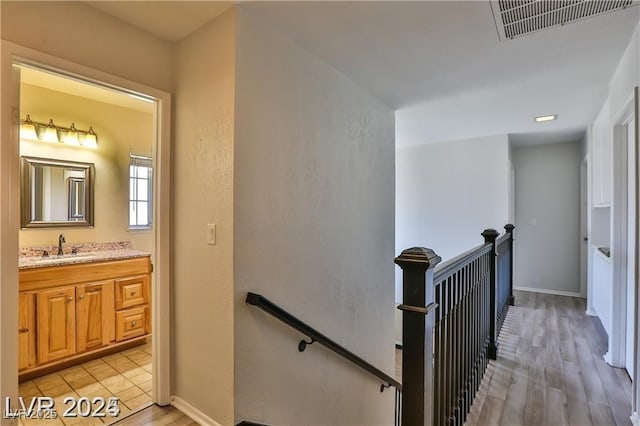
(56, 193)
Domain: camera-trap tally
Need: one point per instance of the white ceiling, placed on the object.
(441, 65)
(438, 63)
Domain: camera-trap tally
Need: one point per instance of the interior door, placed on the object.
(631, 246)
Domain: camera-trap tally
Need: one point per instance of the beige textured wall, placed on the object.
(314, 227)
(203, 193)
(79, 33)
(119, 130)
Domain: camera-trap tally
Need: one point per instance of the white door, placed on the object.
(631, 232)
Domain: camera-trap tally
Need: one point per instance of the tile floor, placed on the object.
(125, 375)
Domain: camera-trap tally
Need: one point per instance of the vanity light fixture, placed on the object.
(37, 131)
(50, 132)
(28, 129)
(71, 137)
(90, 139)
(543, 118)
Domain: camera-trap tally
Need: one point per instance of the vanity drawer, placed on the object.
(132, 292)
(131, 323)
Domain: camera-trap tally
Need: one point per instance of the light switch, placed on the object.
(211, 234)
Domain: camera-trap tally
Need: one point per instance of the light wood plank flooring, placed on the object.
(157, 416)
(550, 369)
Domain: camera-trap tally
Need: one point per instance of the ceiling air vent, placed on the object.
(517, 18)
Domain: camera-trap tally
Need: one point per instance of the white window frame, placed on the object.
(136, 161)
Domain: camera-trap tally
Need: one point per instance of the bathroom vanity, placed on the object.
(80, 306)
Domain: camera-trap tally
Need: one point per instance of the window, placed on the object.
(140, 191)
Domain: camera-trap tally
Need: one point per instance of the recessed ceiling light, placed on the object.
(543, 118)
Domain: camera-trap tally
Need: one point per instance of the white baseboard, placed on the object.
(544, 290)
(193, 412)
(591, 312)
(635, 418)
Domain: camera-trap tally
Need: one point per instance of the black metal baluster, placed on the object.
(448, 354)
(456, 346)
(437, 350)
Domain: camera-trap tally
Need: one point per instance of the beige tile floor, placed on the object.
(125, 375)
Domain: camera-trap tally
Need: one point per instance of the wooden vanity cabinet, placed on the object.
(102, 306)
(27, 330)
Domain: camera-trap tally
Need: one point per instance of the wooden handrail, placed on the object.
(452, 265)
(317, 337)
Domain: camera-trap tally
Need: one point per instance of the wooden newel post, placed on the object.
(509, 228)
(417, 307)
(490, 236)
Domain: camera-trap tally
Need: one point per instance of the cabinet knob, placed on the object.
(133, 323)
(81, 296)
(70, 298)
(133, 292)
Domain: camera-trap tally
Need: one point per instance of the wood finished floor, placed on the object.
(157, 416)
(550, 369)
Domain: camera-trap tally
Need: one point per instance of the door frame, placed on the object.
(619, 237)
(10, 54)
(635, 391)
(584, 225)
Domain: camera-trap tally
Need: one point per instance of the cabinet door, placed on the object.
(607, 165)
(56, 310)
(94, 315)
(596, 165)
(26, 330)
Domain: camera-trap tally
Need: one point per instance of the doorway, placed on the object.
(86, 184)
(14, 57)
(621, 339)
(584, 226)
(631, 248)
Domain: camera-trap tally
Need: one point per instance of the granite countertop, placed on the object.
(87, 253)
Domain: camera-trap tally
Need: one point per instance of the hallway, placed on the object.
(550, 369)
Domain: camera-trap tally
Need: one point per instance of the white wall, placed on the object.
(314, 222)
(448, 193)
(203, 193)
(621, 87)
(547, 247)
(625, 78)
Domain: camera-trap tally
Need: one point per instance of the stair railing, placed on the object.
(452, 314)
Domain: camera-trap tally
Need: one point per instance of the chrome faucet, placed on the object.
(60, 241)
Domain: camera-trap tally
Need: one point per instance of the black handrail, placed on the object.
(315, 336)
(445, 269)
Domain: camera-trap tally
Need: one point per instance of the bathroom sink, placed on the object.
(63, 258)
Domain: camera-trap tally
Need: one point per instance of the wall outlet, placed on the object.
(211, 234)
